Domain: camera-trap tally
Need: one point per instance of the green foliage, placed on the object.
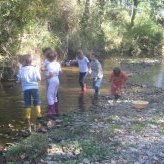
(66, 25)
(145, 37)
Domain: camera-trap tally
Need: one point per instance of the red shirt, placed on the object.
(120, 79)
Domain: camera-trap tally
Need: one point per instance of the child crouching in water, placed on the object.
(118, 80)
(52, 72)
(96, 74)
(29, 76)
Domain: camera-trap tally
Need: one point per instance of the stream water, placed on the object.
(11, 103)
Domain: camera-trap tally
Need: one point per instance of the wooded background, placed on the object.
(124, 27)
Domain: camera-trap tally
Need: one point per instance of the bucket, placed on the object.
(139, 104)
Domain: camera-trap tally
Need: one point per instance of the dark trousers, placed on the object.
(28, 95)
(82, 76)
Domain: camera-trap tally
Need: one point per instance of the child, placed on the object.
(118, 79)
(83, 64)
(96, 73)
(46, 61)
(53, 70)
(29, 76)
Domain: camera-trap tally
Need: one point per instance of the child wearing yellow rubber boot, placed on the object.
(29, 76)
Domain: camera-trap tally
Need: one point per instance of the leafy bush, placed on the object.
(145, 37)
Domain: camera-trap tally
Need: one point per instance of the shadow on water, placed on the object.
(11, 102)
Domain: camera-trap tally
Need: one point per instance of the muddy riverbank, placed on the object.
(110, 132)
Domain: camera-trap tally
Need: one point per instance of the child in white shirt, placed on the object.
(53, 70)
(83, 64)
(29, 76)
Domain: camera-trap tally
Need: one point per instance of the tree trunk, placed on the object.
(134, 11)
(101, 10)
(85, 15)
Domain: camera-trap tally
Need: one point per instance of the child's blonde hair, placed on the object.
(26, 59)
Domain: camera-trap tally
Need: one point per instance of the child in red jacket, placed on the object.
(117, 79)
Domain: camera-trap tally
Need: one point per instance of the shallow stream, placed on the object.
(70, 98)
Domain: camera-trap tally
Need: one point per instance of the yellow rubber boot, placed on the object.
(38, 111)
(28, 113)
(27, 117)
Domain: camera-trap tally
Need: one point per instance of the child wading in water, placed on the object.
(53, 70)
(96, 73)
(117, 79)
(29, 76)
(83, 64)
(46, 51)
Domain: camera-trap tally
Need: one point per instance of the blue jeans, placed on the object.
(28, 95)
(96, 84)
(82, 76)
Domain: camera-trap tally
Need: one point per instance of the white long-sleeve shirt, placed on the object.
(83, 64)
(29, 77)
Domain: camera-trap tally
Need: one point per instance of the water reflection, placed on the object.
(94, 101)
(81, 102)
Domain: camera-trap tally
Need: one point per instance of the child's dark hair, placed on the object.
(116, 70)
(94, 54)
(51, 56)
(44, 50)
(79, 51)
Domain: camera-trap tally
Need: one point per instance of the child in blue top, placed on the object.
(29, 76)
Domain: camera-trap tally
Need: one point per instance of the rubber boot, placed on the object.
(27, 117)
(39, 117)
(116, 97)
(56, 108)
(50, 111)
(28, 113)
(96, 94)
(38, 111)
(82, 90)
(85, 88)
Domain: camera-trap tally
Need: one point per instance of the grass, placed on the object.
(157, 120)
(30, 148)
(94, 150)
(111, 129)
(138, 127)
(69, 150)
